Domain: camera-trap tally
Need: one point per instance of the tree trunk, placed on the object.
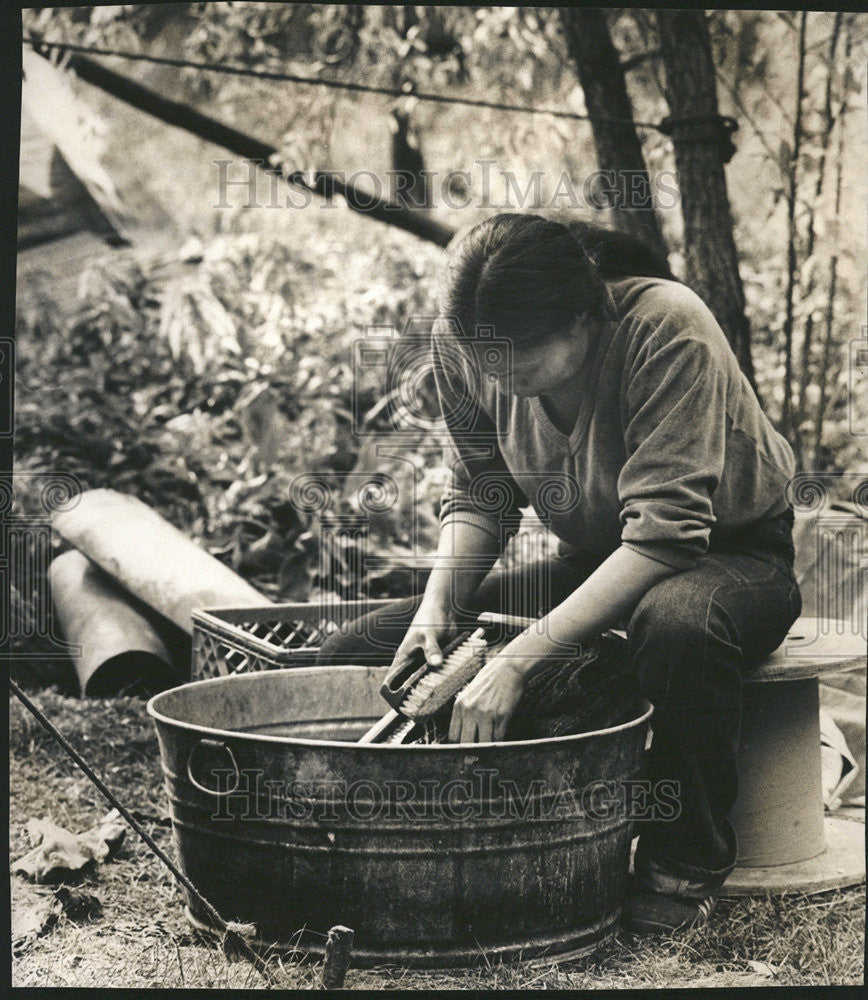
(619, 151)
(709, 246)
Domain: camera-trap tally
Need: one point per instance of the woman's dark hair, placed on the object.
(526, 276)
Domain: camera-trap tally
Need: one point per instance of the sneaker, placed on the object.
(649, 912)
(662, 902)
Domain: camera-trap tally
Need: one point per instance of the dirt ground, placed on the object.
(139, 937)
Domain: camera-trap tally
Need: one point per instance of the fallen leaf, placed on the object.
(57, 852)
(764, 969)
(31, 920)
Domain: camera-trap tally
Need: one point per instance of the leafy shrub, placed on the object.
(207, 390)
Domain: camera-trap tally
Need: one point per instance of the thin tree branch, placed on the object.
(323, 183)
(786, 414)
(833, 267)
(828, 120)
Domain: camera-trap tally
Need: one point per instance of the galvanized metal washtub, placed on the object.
(435, 855)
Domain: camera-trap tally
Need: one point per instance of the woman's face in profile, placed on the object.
(535, 368)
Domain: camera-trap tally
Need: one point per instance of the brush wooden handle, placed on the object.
(381, 727)
(511, 623)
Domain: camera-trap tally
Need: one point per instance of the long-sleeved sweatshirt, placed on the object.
(670, 443)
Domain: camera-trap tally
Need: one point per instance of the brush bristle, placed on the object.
(439, 684)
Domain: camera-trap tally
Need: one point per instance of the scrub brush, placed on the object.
(417, 691)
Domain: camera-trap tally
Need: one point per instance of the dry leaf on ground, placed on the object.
(57, 852)
(764, 969)
(32, 917)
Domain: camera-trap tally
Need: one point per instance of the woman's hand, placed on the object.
(483, 709)
(427, 632)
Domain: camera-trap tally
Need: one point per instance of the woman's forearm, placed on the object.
(604, 600)
(465, 554)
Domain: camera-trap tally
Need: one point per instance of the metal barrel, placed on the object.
(113, 645)
(437, 855)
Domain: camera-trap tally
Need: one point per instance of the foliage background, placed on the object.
(210, 364)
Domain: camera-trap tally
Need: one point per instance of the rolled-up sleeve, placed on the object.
(675, 423)
(480, 490)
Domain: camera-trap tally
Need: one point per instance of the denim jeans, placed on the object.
(692, 639)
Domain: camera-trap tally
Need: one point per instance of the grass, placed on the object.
(142, 938)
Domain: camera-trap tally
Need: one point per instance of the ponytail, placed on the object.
(526, 276)
(618, 255)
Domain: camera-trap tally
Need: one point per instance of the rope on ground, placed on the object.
(233, 940)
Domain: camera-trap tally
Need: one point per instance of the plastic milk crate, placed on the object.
(245, 640)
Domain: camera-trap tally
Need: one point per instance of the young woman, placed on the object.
(576, 375)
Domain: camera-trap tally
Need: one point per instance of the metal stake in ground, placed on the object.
(338, 948)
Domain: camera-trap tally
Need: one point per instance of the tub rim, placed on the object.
(204, 731)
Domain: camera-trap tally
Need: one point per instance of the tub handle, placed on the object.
(212, 745)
